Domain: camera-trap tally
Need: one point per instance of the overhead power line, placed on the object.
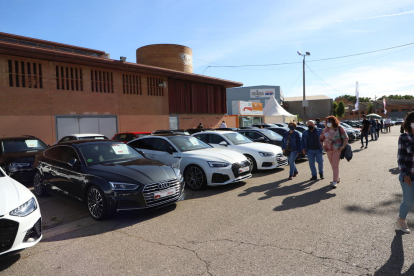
(295, 62)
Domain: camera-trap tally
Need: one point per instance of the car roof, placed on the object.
(90, 141)
(18, 137)
(215, 131)
(84, 134)
(134, 132)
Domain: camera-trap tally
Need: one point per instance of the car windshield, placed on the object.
(93, 137)
(22, 145)
(272, 135)
(108, 153)
(237, 138)
(188, 143)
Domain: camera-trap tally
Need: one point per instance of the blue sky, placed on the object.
(231, 32)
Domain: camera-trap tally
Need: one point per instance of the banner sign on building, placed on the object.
(249, 108)
(262, 93)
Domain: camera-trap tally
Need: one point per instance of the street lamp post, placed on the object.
(304, 103)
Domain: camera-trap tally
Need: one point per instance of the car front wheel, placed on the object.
(97, 205)
(253, 165)
(195, 178)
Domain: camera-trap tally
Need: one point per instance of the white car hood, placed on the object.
(212, 154)
(262, 147)
(12, 195)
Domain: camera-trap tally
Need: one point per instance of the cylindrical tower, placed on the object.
(171, 56)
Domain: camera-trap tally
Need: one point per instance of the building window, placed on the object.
(154, 88)
(131, 84)
(102, 81)
(362, 112)
(25, 74)
(394, 110)
(68, 78)
(405, 109)
(352, 113)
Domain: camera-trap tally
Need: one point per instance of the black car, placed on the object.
(264, 125)
(170, 131)
(262, 135)
(17, 155)
(108, 176)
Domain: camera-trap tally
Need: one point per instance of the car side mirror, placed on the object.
(73, 162)
(223, 143)
(170, 150)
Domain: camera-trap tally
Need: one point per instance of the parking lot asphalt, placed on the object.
(266, 225)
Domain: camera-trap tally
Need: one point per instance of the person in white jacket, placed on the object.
(223, 125)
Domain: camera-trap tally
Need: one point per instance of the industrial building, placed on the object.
(319, 106)
(50, 89)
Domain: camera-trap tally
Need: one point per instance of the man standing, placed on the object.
(319, 124)
(312, 146)
(223, 125)
(373, 129)
(364, 131)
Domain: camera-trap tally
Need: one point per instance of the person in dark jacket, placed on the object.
(364, 131)
(373, 129)
(406, 166)
(292, 146)
(200, 126)
(319, 124)
(312, 146)
(377, 127)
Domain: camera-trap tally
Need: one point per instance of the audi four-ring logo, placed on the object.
(164, 185)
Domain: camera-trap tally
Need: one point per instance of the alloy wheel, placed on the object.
(37, 184)
(95, 203)
(194, 178)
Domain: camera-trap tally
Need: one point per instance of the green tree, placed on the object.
(370, 108)
(340, 109)
(334, 107)
(353, 98)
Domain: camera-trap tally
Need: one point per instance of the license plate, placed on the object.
(244, 169)
(164, 193)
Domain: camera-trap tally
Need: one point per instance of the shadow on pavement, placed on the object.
(8, 261)
(394, 170)
(211, 191)
(395, 263)
(382, 208)
(306, 199)
(115, 222)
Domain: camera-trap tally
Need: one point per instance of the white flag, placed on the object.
(357, 98)
(385, 104)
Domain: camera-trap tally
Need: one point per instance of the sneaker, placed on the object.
(295, 174)
(334, 184)
(362, 146)
(366, 147)
(402, 225)
(314, 177)
(290, 177)
(321, 175)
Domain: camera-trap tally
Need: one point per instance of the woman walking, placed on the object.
(406, 165)
(292, 146)
(334, 139)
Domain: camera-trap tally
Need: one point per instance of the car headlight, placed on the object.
(19, 165)
(25, 209)
(267, 154)
(122, 186)
(215, 164)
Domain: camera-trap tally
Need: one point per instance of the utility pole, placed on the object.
(304, 102)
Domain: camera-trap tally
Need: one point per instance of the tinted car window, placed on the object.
(203, 137)
(159, 144)
(216, 139)
(129, 137)
(108, 152)
(142, 144)
(252, 135)
(68, 154)
(272, 135)
(55, 153)
(22, 145)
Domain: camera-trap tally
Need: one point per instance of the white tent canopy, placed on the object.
(274, 113)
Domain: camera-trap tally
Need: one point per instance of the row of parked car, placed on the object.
(134, 171)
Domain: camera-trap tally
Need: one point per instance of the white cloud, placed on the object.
(388, 15)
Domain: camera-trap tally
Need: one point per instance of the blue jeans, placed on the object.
(373, 133)
(292, 165)
(312, 156)
(364, 134)
(408, 198)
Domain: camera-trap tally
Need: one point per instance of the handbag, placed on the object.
(287, 152)
(347, 151)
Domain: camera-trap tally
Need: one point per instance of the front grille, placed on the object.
(8, 232)
(35, 232)
(236, 166)
(150, 189)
